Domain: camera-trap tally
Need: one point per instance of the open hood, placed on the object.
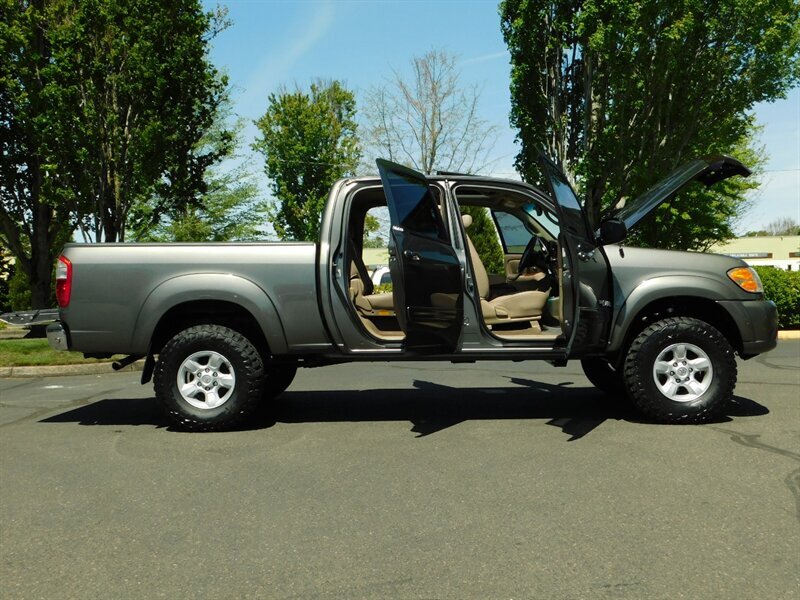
(708, 170)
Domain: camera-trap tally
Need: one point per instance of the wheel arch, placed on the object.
(631, 323)
(219, 299)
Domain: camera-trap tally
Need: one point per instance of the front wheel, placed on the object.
(209, 378)
(680, 370)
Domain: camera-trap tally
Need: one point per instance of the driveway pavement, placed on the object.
(418, 480)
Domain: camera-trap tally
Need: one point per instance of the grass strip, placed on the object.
(36, 352)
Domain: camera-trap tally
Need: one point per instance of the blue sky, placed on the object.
(276, 42)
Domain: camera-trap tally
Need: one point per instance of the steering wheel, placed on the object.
(536, 255)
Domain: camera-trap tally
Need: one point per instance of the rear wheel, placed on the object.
(680, 370)
(209, 378)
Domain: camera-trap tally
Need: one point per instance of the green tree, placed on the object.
(308, 140)
(700, 217)
(619, 92)
(227, 210)
(781, 226)
(149, 94)
(6, 273)
(483, 234)
(37, 142)
(101, 104)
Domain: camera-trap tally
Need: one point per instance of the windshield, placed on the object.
(570, 213)
(549, 222)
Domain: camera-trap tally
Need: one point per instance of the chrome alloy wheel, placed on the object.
(206, 379)
(683, 372)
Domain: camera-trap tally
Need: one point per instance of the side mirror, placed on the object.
(612, 231)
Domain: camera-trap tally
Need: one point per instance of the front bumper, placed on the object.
(57, 336)
(757, 322)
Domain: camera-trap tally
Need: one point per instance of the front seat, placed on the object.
(513, 308)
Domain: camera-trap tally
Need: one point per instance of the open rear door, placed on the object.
(426, 273)
(586, 282)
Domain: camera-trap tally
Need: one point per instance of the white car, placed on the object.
(381, 275)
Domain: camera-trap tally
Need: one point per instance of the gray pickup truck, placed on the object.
(224, 327)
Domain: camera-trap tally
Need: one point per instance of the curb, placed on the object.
(793, 334)
(60, 370)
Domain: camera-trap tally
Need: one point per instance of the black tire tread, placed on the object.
(653, 407)
(253, 377)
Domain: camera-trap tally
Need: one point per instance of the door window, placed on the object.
(415, 206)
(513, 232)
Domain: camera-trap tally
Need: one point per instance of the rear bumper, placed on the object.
(758, 324)
(29, 318)
(57, 336)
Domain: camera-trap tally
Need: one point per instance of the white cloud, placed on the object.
(485, 57)
(274, 68)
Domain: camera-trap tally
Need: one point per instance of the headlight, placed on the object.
(747, 279)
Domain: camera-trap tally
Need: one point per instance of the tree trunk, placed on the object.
(41, 263)
(41, 284)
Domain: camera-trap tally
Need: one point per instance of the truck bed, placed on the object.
(120, 291)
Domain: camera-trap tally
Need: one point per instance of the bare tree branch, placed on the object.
(427, 120)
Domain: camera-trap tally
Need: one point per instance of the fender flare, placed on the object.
(659, 289)
(209, 286)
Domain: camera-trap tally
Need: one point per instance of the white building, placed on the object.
(782, 251)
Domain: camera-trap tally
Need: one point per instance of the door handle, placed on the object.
(411, 255)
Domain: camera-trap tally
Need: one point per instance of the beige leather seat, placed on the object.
(369, 304)
(366, 302)
(513, 308)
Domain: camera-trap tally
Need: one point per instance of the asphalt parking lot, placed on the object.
(418, 480)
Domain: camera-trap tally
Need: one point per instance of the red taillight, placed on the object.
(63, 281)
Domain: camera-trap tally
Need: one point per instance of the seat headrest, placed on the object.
(466, 220)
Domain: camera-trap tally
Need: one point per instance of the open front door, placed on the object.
(586, 279)
(426, 273)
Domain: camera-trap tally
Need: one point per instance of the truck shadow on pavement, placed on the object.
(429, 407)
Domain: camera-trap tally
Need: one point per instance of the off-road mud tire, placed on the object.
(640, 364)
(246, 363)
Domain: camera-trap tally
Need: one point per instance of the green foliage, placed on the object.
(783, 288)
(102, 104)
(19, 291)
(227, 213)
(149, 94)
(6, 272)
(620, 92)
(375, 242)
(483, 234)
(782, 226)
(228, 209)
(699, 217)
(37, 140)
(308, 140)
(34, 352)
(376, 228)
